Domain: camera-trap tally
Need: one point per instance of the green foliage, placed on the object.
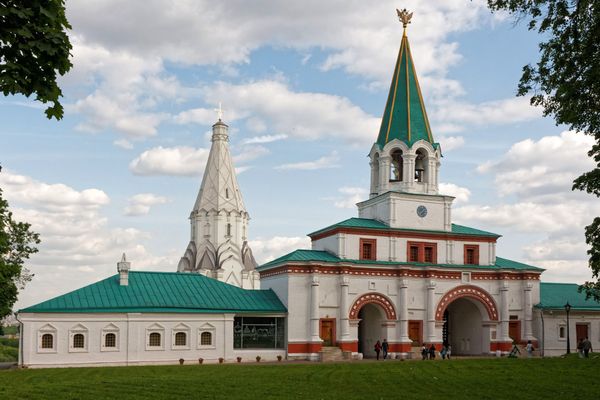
(34, 47)
(566, 83)
(17, 243)
(550, 378)
(9, 353)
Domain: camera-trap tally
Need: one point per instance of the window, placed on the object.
(258, 333)
(154, 340)
(562, 332)
(78, 341)
(228, 229)
(110, 340)
(471, 254)
(368, 249)
(47, 341)
(422, 252)
(396, 166)
(226, 193)
(180, 339)
(206, 339)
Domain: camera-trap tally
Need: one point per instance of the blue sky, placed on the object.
(303, 88)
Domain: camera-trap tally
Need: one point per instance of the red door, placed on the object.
(581, 331)
(328, 332)
(514, 331)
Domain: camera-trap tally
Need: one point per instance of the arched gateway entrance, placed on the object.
(373, 312)
(468, 314)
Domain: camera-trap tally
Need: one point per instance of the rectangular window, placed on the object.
(471, 254)
(562, 332)
(422, 252)
(258, 333)
(368, 249)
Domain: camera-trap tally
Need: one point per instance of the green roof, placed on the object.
(556, 295)
(366, 223)
(162, 292)
(404, 117)
(326, 257)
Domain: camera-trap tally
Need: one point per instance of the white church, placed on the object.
(400, 271)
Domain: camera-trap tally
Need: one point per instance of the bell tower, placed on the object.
(405, 160)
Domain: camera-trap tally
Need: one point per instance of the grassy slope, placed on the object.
(8, 349)
(461, 379)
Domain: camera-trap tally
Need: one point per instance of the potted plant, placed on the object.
(257, 358)
(239, 359)
(279, 358)
(181, 361)
(200, 360)
(221, 359)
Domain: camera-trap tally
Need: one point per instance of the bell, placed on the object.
(419, 166)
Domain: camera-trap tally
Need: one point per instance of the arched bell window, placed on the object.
(396, 166)
(420, 166)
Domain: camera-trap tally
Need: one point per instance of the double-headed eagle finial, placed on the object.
(404, 16)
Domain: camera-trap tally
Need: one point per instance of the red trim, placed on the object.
(348, 346)
(400, 348)
(304, 348)
(373, 243)
(502, 346)
(403, 234)
(376, 298)
(475, 248)
(470, 291)
(333, 334)
(421, 246)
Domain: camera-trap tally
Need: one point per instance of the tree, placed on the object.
(34, 47)
(566, 83)
(17, 243)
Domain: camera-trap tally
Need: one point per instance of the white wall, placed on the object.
(553, 345)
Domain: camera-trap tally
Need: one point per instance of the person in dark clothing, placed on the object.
(432, 352)
(385, 347)
(424, 352)
(580, 348)
(587, 347)
(378, 348)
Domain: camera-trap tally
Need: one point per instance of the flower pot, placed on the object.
(221, 359)
(257, 358)
(279, 358)
(200, 360)
(181, 361)
(239, 359)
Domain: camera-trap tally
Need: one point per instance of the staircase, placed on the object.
(331, 353)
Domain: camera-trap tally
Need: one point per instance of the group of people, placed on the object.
(382, 347)
(428, 353)
(584, 347)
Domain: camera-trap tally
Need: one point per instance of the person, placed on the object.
(529, 349)
(432, 352)
(514, 351)
(385, 347)
(580, 348)
(587, 347)
(424, 351)
(378, 348)
(443, 352)
(448, 352)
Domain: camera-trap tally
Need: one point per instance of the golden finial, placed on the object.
(404, 16)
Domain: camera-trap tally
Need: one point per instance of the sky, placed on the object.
(303, 86)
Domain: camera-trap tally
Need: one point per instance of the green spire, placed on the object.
(404, 117)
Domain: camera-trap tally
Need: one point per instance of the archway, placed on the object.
(370, 328)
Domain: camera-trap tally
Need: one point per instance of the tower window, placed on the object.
(226, 193)
(428, 254)
(471, 254)
(422, 252)
(368, 249)
(396, 166)
(420, 166)
(228, 229)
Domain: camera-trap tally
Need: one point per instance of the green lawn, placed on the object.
(9, 349)
(554, 378)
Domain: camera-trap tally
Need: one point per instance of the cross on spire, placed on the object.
(219, 112)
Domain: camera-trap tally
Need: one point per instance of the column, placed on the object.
(384, 174)
(409, 170)
(504, 317)
(344, 309)
(402, 307)
(528, 332)
(314, 309)
(374, 178)
(431, 337)
(450, 252)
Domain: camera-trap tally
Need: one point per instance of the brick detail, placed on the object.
(473, 292)
(375, 298)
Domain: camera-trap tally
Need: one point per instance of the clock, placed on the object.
(422, 211)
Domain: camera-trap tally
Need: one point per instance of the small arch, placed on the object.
(47, 341)
(206, 339)
(180, 339)
(78, 341)
(375, 298)
(110, 340)
(396, 165)
(473, 292)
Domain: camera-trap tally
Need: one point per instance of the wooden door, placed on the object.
(514, 331)
(328, 331)
(415, 332)
(581, 331)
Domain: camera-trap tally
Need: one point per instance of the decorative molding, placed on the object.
(469, 291)
(373, 298)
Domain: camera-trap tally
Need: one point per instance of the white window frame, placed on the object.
(181, 328)
(79, 329)
(47, 329)
(210, 329)
(156, 328)
(465, 277)
(111, 328)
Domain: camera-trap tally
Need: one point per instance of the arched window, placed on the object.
(421, 166)
(396, 166)
(78, 341)
(226, 193)
(47, 341)
(228, 229)
(154, 339)
(110, 340)
(180, 339)
(206, 339)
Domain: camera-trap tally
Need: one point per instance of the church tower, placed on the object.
(405, 160)
(218, 246)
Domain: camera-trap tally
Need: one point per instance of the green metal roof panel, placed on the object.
(465, 230)
(302, 256)
(510, 264)
(404, 117)
(556, 295)
(162, 292)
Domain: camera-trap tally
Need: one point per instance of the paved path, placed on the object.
(7, 365)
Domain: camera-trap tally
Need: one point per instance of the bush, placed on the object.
(8, 353)
(9, 342)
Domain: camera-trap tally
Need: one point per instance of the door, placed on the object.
(581, 331)
(514, 331)
(415, 329)
(328, 332)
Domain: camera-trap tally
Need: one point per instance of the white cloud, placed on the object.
(249, 153)
(265, 250)
(330, 161)
(265, 139)
(461, 194)
(181, 160)
(349, 197)
(124, 144)
(450, 143)
(141, 203)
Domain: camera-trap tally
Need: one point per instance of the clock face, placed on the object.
(422, 211)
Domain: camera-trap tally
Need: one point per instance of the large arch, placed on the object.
(473, 292)
(376, 298)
